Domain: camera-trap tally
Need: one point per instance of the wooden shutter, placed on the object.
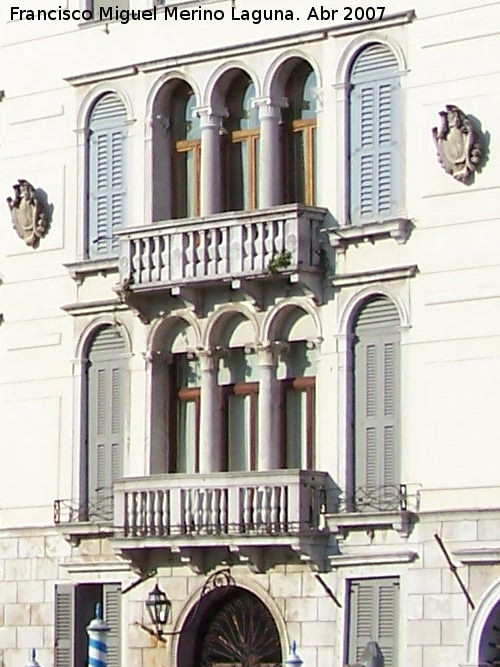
(106, 177)
(64, 624)
(106, 396)
(111, 595)
(374, 135)
(376, 395)
(373, 607)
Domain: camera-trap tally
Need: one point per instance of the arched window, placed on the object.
(105, 420)
(300, 136)
(238, 379)
(183, 426)
(374, 135)
(176, 153)
(376, 404)
(296, 375)
(241, 176)
(186, 153)
(106, 180)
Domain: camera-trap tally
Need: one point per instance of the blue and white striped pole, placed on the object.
(33, 662)
(97, 631)
(293, 659)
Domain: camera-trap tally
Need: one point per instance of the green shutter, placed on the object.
(373, 605)
(373, 132)
(112, 614)
(376, 395)
(106, 397)
(106, 177)
(64, 623)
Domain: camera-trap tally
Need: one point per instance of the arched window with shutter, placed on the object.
(374, 136)
(105, 420)
(106, 182)
(376, 404)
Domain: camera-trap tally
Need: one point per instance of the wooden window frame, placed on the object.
(177, 396)
(306, 385)
(239, 389)
(307, 127)
(189, 146)
(250, 137)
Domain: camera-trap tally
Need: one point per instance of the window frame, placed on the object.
(239, 389)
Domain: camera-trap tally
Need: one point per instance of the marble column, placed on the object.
(210, 446)
(210, 177)
(270, 165)
(269, 449)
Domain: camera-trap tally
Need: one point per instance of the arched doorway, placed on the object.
(230, 627)
(489, 651)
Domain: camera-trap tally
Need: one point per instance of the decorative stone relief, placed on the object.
(459, 146)
(29, 217)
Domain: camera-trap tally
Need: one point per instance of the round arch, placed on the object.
(222, 315)
(482, 621)
(355, 302)
(164, 327)
(92, 329)
(165, 80)
(91, 99)
(276, 315)
(358, 44)
(191, 625)
(212, 95)
(277, 74)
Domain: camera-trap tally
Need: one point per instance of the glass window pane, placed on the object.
(186, 428)
(239, 432)
(296, 429)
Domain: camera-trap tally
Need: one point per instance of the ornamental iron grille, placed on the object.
(237, 630)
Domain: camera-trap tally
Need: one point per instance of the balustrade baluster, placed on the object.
(166, 264)
(223, 519)
(156, 524)
(248, 514)
(225, 251)
(126, 519)
(201, 267)
(148, 512)
(165, 512)
(155, 273)
(265, 513)
(275, 508)
(136, 260)
(188, 511)
(205, 511)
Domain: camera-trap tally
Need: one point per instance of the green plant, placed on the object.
(280, 261)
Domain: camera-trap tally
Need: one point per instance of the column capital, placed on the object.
(269, 107)
(210, 116)
(268, 353)
(208, 358)
(157, 356)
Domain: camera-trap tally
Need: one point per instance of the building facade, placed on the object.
(249, 337)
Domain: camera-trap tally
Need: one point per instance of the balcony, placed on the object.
(89, 518)
(226, 247)
(246, 516)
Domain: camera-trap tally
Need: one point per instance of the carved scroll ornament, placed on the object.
(28, 216)
(459, 147)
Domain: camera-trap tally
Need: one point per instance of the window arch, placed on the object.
(176, 153)
(106, 178)
(374, 135)
(376, 404)
(241, 159)
(300, 135)
(105, 417)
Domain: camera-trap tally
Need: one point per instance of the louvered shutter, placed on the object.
(106, 178)
(64, 624)
(376, 396)
(112, 613)
(106, 377)
(373, 132)
(373, 605)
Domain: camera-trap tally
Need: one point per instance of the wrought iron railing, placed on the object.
(388, 498)
(69, 510)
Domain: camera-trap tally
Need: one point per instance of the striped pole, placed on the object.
(97, 631)
(33, 662)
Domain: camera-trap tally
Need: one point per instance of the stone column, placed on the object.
(210, 177)
(268, 454)
(270, 165)
(210, 446)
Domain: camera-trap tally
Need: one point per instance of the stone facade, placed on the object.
(434, 258)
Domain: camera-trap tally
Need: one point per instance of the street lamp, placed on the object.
(158, 606)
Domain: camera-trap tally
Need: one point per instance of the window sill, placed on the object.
(92, 267)
(369, 559)
(341, 525)
(398, 229)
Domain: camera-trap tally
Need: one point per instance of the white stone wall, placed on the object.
(451, 360)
